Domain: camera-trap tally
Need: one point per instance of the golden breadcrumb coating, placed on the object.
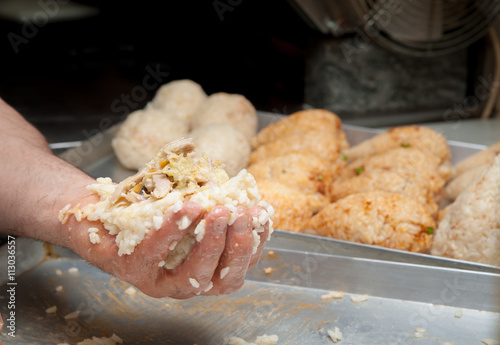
(291, 207)
(308, 174)
(470, 228)
(410, 184)
(485, 156)
(301, 121)
(423, 138)
(318, 143)
(391, 220)
(410, 162)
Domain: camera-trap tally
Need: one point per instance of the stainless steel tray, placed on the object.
(406, 290)
(96, 157)
(454, 306)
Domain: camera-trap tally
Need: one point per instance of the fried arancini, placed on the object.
(309, 174)
(470, 229)
(413, 185)
(223, 107)
(318, 143)
(423, 138)
(302, 121)
(291, 207)
(391, 220)
(485, 156)
(407, 161)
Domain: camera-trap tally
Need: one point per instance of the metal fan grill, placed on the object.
(414, 27)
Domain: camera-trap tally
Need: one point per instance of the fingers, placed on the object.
(195, 273)
(230, 273)
(255, 213)
(156, 245)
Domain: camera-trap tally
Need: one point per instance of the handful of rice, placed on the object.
(139, 203)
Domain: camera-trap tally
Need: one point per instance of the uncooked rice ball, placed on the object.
(180, 98)
(143, 133)
(225, 143)
(470, 229)
(228, 108)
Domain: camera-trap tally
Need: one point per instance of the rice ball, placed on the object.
(180, 97)
(234, 109)
(143, 133)
(225, 143)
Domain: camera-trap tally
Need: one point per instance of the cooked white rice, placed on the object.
(181, 98)
(131, 221)
(143, 133)
(233, 109)
(470, 229)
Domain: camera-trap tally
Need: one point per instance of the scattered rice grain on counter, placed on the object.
(73, 270)
(268, 270)
(58, 272)
(113, 340)
(420, 332)
(72, 315)
(51, 310)
(335, 335)
(260, 340)
(359, 298)
(130, 291)
(488, 341)
(459, 313)
(333, 295)
(59, 288)
(172, 177)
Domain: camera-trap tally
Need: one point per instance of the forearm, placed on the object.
(34, 183)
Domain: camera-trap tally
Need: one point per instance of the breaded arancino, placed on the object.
(291, 207)
(301, 121)
(318, 143)
(410, 184)
(387, 219)
(425, 139)
(306, 173)
(411, 162)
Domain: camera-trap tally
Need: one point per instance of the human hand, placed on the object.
(226, 249)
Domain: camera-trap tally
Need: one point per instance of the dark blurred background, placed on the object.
(67, 65)
(74, 69)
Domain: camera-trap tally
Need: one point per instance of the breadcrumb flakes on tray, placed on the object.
(489, 342)
(420, 332)
(113, 340)
(335, 335)
(130, 291)
(333, 295)
(260, 340)
(359, 298)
